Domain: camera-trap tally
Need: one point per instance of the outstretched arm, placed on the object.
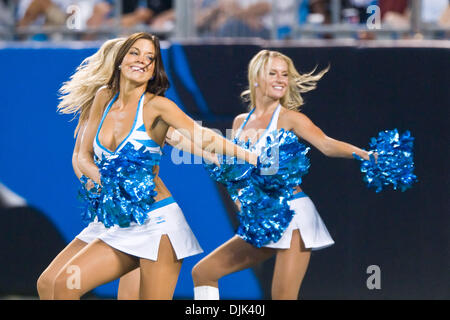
(177, 140)
(307, 130)
(206, 139)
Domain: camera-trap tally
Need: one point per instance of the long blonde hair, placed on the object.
(78, 93)
(298, 83)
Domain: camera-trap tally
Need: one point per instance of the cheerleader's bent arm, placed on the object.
(85, 158)
(76, 151)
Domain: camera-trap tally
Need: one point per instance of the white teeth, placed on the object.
(137, 69)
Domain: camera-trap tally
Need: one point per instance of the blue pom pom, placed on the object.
(232, 172)
(283, 162)
(264, 191)
(89, 198)
(394, 165)
(127, 190)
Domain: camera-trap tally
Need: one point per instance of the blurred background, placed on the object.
(56, 20)
(389, 69)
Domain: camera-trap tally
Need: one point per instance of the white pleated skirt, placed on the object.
(307, 220)
(165, 218)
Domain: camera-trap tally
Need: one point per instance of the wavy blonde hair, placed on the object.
(78, 93)
(297, 83)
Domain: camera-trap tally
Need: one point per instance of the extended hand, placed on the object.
(372, 154)
(253, 159)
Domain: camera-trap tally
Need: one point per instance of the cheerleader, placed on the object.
(77, 96)
(274, 92)
(121, 148)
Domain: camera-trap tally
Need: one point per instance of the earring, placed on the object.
(255, 84)
(119, 67)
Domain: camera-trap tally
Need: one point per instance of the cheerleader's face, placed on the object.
(274, 82)
(138, 63)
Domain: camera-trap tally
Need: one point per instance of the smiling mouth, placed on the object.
(278, 88)
(137, 69)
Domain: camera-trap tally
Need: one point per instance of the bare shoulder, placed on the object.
(102, 97)
(103, 93)
(291, 118)
(238, 120)
(104, 89)
(287, 113)
(158, 102)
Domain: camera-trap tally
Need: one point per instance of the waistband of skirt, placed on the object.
(162, 203)
(298, 195)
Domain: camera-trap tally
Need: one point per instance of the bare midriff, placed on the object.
(160, 187)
